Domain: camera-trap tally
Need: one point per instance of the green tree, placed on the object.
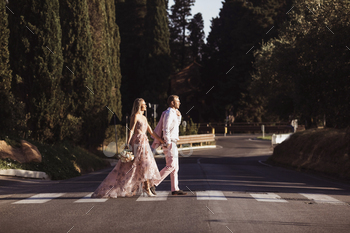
(10, 110)
(308, 65)
(145, 60)
(78, 66)
(106, 72)
(228, 56)
(6, 96)
(196, 37)
(130, 17)
(155, 66)
(36, 61)
(179, 21)
(113, 37)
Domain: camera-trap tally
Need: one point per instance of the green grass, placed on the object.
(265, 138)
(60, 161)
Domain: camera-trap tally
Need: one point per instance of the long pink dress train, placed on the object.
(126, 179)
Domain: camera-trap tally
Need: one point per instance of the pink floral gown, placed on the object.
(126, 179)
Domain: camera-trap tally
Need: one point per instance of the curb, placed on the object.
(24, 173)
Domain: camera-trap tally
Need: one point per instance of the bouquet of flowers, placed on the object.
(126, 156)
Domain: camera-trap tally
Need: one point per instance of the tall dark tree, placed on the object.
(155, 65)
(307, 67)
(5, 72)
(145, 60)
(179, 21)
(9, 107)
(113, 53)
(228, 56)
(78, 65)
(130, 17)
(196, 37)
(36, 59)
(105, 53)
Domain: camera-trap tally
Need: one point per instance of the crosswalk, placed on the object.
(39, 198)
(267, 197)
(211, 195)
(208, 195)
(320, 198)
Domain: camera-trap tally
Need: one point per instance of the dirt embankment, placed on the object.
(322, 150)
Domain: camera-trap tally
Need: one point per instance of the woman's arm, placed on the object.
(149, 129)
(133, 121)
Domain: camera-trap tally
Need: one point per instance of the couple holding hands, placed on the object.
(142, 174)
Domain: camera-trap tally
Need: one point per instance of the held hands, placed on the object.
(126, 147)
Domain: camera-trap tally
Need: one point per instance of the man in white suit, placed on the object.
(169, 127)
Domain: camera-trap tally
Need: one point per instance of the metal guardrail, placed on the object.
(245, 129)
(197, 138)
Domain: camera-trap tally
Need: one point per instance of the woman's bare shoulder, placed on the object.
(138, 116)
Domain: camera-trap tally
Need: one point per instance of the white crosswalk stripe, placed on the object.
(321, 198)
(267, 197)
(39, 198)
(88, 199)
(211, 195)
(161, 196)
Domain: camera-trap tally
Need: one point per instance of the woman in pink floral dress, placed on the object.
(129, 179)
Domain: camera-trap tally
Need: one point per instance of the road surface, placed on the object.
(230, 189)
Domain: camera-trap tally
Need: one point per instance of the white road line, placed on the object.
(39, 198)
(267, 197)
(161, 196)
(89, 199)
(211, 195)
(265, 163)
(321, 198)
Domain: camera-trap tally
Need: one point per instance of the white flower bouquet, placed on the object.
(126, 156)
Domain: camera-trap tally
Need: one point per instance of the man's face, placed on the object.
(176, 103)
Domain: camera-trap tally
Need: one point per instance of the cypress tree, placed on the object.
(155, 65)
(145, 52)
(180, 12)
(106, 71)
(36, 57)
(196, 37)
(113, 57)
(130, 17)
(78, 69)
(235, 34)
(113, 54)
(7, 101)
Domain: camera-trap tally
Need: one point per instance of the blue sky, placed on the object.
(209, 9)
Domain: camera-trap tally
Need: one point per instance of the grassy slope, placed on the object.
(59, 161)
(320, 150)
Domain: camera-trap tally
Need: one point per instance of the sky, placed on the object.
(209, 9)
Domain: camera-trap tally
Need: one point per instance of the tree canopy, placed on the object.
(305, 71)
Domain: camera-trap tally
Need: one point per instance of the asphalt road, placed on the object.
(230, 189)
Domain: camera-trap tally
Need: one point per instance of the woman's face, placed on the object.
(143, 105)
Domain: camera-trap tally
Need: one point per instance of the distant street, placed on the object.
(230, 189)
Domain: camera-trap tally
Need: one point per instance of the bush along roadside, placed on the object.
(60, 161)
(324, 151)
